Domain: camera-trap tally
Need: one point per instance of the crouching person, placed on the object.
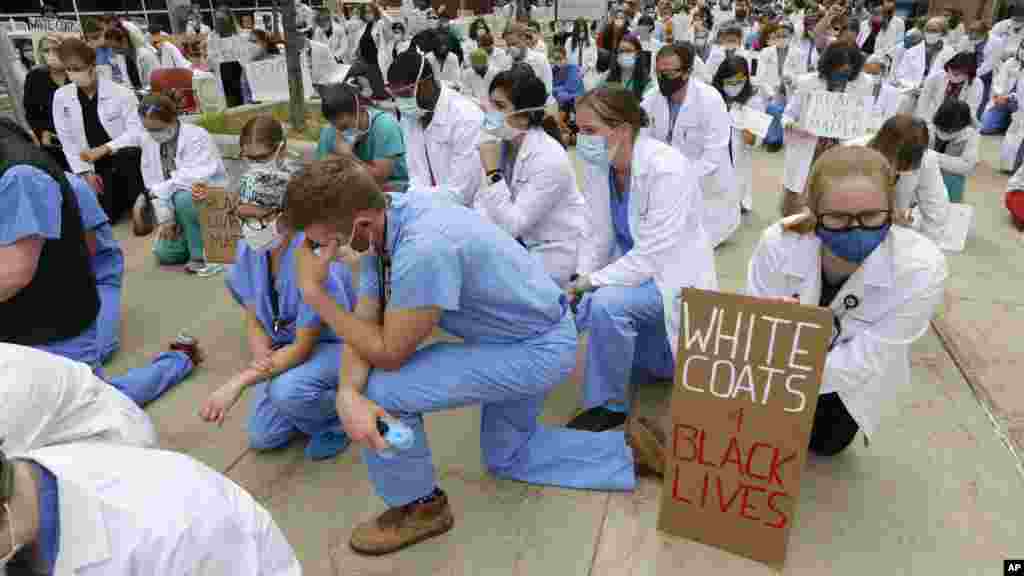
(296, 359)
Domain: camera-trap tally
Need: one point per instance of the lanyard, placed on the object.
(276, 322)
(384, 273)
(426, 153)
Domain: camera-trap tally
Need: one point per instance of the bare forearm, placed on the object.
(355, 371)
(364, 336)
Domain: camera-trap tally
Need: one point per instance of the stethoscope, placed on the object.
(850, 302)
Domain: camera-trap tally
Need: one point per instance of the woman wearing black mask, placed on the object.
(839, 70)
(376, 32)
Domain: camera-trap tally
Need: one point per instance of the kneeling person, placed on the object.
(295, 357)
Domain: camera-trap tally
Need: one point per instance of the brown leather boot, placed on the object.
(403, 526)
(648, 443)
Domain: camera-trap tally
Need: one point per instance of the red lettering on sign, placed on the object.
(676, 495)
(745, 503)
(773, 474)
(680, 428)
(782, 520)
(732, 454)
(750, 459)
(722, 504)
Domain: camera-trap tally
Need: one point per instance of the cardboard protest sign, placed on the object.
(573, 9)
(54, 25)
(221, 230)
(835, 114)
(748, 373)
(747, 118)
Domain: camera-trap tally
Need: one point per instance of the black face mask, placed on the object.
(481, 71)
(669, 86)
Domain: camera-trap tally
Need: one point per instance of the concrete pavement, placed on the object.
(937, 492)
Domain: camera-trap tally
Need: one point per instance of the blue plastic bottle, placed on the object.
(396, 434)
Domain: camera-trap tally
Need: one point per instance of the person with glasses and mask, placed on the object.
(631, 68)
(176, 157)
(733, 83)
(295, 358)
(959, 82)
(999, 115)
(691, 116)
(442, 131)
(644, 216)
(91, 508)
(374, 136)
(922, 201)
(90, 112)
(882, 282)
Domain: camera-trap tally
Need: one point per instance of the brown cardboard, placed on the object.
(736, 449)
(221, 230)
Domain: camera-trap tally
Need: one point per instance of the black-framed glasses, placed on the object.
(868, 220)
(256, 222)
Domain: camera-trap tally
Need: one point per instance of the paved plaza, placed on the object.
(940, 490)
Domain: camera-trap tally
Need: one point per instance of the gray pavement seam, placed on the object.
(942, 330)
(600, 534)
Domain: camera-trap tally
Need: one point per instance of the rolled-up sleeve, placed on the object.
(31, 205)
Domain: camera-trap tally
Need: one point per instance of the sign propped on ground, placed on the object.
(747, 379)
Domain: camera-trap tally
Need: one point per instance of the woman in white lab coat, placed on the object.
(959, 82)
(888, 29)
(128, 41)
(134, 511)
(882, 283)
(773, 80)
(169, 181)
(643, 218)
(701, 129)
(374, 33)
(334, 35)
(733, 82)
(921, 197)
(530, 188)
(839, 70)
(50, 399)
(581, 50)
(955, 140)
(113, 108)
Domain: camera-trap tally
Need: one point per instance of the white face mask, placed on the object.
(274, 163)
(496, 124)
(932, 38)
(733, 91)
(163, 136)
(259, 237)
(942, 135)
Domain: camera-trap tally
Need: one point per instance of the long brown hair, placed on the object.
(615, 106)
(835, 164)
(898, 139)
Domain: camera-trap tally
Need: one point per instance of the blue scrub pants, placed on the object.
(627, 343)
(299, 400)
(996, 119)
(775, 132)
(510, 381)
(109, 269)
(142, 385)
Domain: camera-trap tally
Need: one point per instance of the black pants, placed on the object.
(231, 77)
(58, 155)
(834, 429)
(122, 181)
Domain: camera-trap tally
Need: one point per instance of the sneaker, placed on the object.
(203, 269)
(327, 444)
(143, 217)
(597, 419)
(648, 443)
(404, 526)
(189, 345)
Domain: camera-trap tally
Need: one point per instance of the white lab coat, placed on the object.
(171, 57)
(888, 102)
(1011, 35)
(118, 109)
(939, 63)
(961, 156)
(800, 147)
(908, 68)
(887, 39)
(743, 156)
(338, 42)
(702, 132)
(665, 220)
(989, 54)
(140, 512)
(801, 59)
(475, 86)
(1007, 77)
(415, 19)
(681, 30)
(767, 79)
(882, 308)
(447, 148)
(49, 399)
(197, 160)
(585, 59)
(933, 94)
(539, 204)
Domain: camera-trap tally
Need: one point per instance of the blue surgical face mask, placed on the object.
(853, 245)
(408, 107)
(593, 149)
(839, 77)
(627, 61)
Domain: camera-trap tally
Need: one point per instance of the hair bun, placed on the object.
(645, 119)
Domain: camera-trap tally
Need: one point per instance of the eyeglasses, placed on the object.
(256, 222)
(868, 220)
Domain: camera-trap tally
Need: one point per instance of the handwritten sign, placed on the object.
(53, 25)
(221, 231)
(747, 379)
(268, 80)
(747, 118)
(835, 114)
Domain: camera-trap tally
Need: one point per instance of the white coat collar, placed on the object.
(642, 156)
(443, 108)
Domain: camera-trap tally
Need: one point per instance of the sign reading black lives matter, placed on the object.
(748, 374)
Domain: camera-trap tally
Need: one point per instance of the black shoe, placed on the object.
(597, 419)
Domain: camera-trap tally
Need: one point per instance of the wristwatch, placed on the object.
(495, 176)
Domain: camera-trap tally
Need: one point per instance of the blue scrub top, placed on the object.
(108, 262)
(30, 202)
(248, 281)
(385, 140)
(620, 214)
(489, 288)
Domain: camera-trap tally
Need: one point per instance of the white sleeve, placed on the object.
(965, 164)
(764, 272)
(538, 193)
